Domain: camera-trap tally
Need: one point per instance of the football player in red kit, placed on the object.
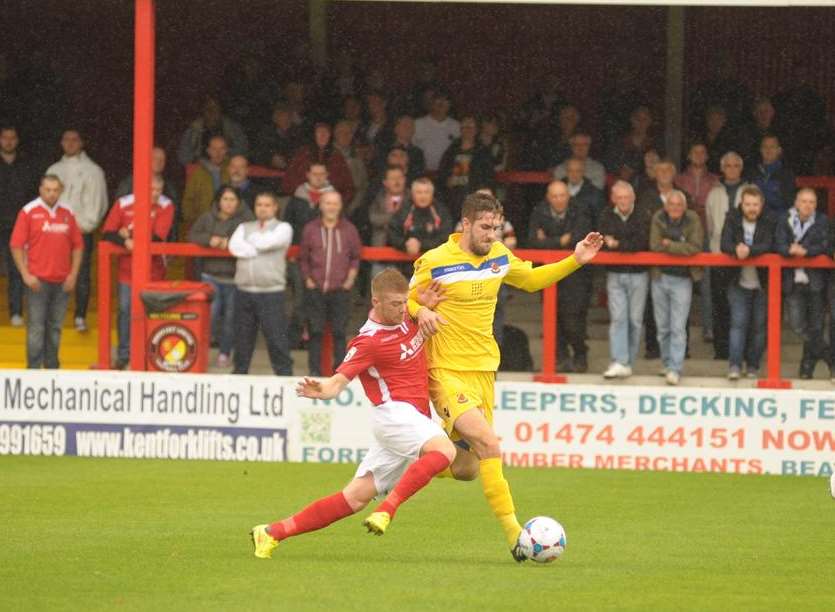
(410, 447)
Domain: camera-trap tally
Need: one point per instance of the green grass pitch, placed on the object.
(87, 534)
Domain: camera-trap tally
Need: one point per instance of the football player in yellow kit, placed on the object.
(462, 355)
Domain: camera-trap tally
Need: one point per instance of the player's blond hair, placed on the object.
(389, 280)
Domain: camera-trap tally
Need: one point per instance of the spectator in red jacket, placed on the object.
(118, 229)
(329, 258)
(47, 247)
(321, 149)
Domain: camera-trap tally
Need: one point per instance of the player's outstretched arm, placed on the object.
(321, 389)
(524, 276)
(588, 247)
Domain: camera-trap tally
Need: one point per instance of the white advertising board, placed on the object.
(259, 418)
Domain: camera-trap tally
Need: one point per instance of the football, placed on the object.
(542, 539)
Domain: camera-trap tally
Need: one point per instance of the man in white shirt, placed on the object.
(434, 132)
(85, 190)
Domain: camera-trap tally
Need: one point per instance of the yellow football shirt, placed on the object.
(471, 284)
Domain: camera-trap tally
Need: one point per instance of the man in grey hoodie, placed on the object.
(260, 277)
(213, 229)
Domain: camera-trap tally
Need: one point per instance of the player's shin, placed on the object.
(317, 515)
(497, 491)
(419, 474)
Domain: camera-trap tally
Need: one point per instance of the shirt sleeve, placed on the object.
(523, 275)
(279, 237)
(422, 275)
(238, 245)
(358, 358)
(113, 222)
(20, 233)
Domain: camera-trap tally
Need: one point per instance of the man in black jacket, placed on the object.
(18, 184)
(421, 223)
(747, 233)
(583, 191)
(560, 223)
(804, 232)
(625, 229)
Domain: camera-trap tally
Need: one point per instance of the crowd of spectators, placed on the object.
(362, 165)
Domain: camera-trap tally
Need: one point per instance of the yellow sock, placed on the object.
(497, 492)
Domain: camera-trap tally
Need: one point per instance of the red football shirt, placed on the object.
(121, 215)
(391, 364)
(49, 236)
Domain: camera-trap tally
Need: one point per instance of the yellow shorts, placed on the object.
(453, 393)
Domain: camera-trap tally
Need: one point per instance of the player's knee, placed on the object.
(443, 445)
(485, 445)
(356, 500)
(359, 492)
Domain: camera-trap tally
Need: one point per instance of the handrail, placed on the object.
(775, 263)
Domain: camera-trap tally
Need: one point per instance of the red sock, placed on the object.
(317, 515)
(419, 474)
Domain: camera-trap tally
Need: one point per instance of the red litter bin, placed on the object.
(178, 325)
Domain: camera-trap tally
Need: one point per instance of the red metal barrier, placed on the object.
(774, 263)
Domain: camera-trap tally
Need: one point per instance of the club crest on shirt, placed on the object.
(462, 399)
(495, 268)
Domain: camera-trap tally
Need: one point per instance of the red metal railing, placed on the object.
(548, 373)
